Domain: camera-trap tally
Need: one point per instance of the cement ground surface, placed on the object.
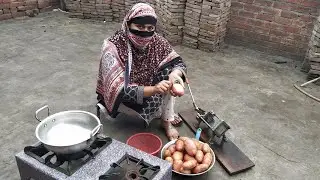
(51, 59)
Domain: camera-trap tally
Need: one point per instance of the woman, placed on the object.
(137, 70)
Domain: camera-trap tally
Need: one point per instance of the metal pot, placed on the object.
(68, 131)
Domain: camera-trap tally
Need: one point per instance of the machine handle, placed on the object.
(37, 112)
(95, 130)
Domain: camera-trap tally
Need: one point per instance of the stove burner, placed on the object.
(130, 168)
(67, 163)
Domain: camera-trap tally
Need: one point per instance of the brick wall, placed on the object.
(17, 8)
(278, 26)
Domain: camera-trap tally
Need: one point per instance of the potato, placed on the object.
(169, 159)
(199, 156)
(198, 144)
(172, 148)
(200, 168)
(178, 89)
(177, 155)
(206, 148)
(183, 138)
(184, 171)
(188, 165)
(177, 164)
(179, 145)
(167, 153)
(190, 147)
(187, 157)
(207, 159)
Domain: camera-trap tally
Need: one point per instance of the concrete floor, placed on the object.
(51, 59)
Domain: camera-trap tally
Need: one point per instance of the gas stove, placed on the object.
(105, 159)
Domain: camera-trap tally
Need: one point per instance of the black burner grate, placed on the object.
(67, 163)
(130, 168)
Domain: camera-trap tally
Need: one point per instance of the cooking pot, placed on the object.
(67, 132)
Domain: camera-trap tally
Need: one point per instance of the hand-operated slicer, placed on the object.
(211, 129)
(209, 122)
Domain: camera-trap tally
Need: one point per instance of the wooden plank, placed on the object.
(232, 159)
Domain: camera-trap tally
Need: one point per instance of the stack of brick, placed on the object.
(90, 9)
(171, 19)
(17, 8)
(130, 3)
(118, 10)
(213, 24)
(314, 50)
(191, 23)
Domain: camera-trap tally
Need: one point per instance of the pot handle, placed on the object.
(37, 112)
(95, 130)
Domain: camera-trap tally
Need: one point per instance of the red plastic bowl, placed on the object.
(146, 142)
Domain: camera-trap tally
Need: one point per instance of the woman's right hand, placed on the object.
(162, 87)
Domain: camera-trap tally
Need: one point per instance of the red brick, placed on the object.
(43, 4)
(275, 39)
(271, 11)
(252, 8)
(304, 10)
(31, 2)
(6, 1)
(21, 8)
(5, 16)
(5, 6)
(311, 3)
(16, 4)
(240, 26)
(255, 35)
(282, 20)
(288, 14)
(238, 19)
(234, 12)
(31, 7)
(18, 14)
(291, 29)
(13, 10)
(255, 22)
(246, 14)
(278, 33)
(263, 3)
(262, 30)
(6, 11)
(281, 5)
(236, 5)
(266, 17)
(246, 1)
(307, 18)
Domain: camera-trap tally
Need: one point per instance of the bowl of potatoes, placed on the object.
(188, 156)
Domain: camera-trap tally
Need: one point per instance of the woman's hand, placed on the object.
(162, 87)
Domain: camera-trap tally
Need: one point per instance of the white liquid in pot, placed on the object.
(67, 134)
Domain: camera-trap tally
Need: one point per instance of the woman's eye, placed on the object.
(151, 28)
(140, 26)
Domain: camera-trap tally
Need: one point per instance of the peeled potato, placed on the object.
(177, 155)
(169, 159)
(190, 147)
(178, 89)
(177, 164)
(200, 168)
(179, 145)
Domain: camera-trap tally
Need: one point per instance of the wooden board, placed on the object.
(232, 159)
